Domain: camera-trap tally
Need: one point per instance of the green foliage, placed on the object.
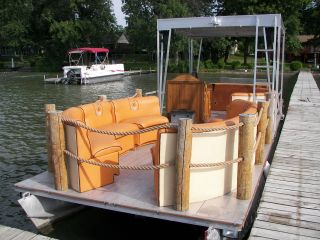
(221, 64)
(235, 64)
(295, 65)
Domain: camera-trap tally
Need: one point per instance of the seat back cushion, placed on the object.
(236, 107)
(127, 108)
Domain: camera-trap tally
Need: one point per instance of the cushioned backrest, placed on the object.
(135, 107)
(98, 114)
(236, 107)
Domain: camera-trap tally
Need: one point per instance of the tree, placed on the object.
(291, 11)
(14, 25)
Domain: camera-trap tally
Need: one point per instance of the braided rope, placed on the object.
(75, 123)
(203, 129)
(259, 116)
(150, 167)
(213, 165)
(121, 133)
(108, 165)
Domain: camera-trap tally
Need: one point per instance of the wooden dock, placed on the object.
(18, 234)
(290, 204)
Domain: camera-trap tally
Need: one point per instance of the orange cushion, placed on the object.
(98, 114)
(236, 107)
(135, 107)
(147, 121)
(103, 144)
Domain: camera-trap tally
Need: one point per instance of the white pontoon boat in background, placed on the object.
(87, 66)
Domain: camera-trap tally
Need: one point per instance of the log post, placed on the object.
(269, 130)
(102, 97)
(57, 148)
(264, 106)
(138, 92)
(246, 144)
(184, 145)
(47, 109)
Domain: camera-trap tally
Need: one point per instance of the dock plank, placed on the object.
(9, 233)
(290, 203)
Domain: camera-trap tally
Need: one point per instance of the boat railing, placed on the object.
(251, 148)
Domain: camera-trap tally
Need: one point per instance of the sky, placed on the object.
(117, 4)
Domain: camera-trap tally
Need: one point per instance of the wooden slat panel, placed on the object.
(290, 204)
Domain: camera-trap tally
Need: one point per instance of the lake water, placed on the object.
(23, 154)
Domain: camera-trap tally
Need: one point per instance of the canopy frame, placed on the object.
(198, 28)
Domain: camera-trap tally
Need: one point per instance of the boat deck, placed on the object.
(290, 204)
(18, 234)
(133, 192)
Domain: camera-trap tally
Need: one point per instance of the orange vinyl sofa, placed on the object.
(213, 147)
(119, 115)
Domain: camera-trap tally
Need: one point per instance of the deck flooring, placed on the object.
(290, 204)
(9, 233)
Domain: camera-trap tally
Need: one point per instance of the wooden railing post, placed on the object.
(262, 129)
(246, 145)
(48, 108)
(102, 97)
(138, 92)
(57, 150)
(269, 130)
(184, 145)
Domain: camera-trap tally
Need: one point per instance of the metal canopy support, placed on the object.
(199, 55)
(234, 26)
(266, 56)
(255, 59)
(282, 68)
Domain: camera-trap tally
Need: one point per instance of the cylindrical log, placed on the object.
(48, 108)
(269, 130)
(264, 106)
(246, 145)
(184, 145)
(138, 92)
(57, 150)
(102, 97)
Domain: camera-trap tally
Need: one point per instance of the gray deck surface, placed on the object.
(7, 233)
(290, 204)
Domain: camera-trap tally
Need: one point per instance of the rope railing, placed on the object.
(75, 123)
(148, 167)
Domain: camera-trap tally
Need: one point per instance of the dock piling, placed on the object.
(47, 109)
(102, 97)
(138, 92)
(246, 145)
(57, 150)
(184, 145)
(269, 130)
(264, 106)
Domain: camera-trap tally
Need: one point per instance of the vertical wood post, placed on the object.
(102, 97)
(47, 109)
(138, 92)
(184, 145)
(262, 128)
(246, 144)
(269, 130)
(57, 148)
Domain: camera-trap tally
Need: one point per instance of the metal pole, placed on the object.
(166, 70)
(278, 68)
(255, 60)
(191, 55)
(161, 70)
(282, 68)
(200, 48)
(158, 65)
(274, 53)
(267, 57)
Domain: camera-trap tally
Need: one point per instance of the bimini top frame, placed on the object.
(197, 28)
